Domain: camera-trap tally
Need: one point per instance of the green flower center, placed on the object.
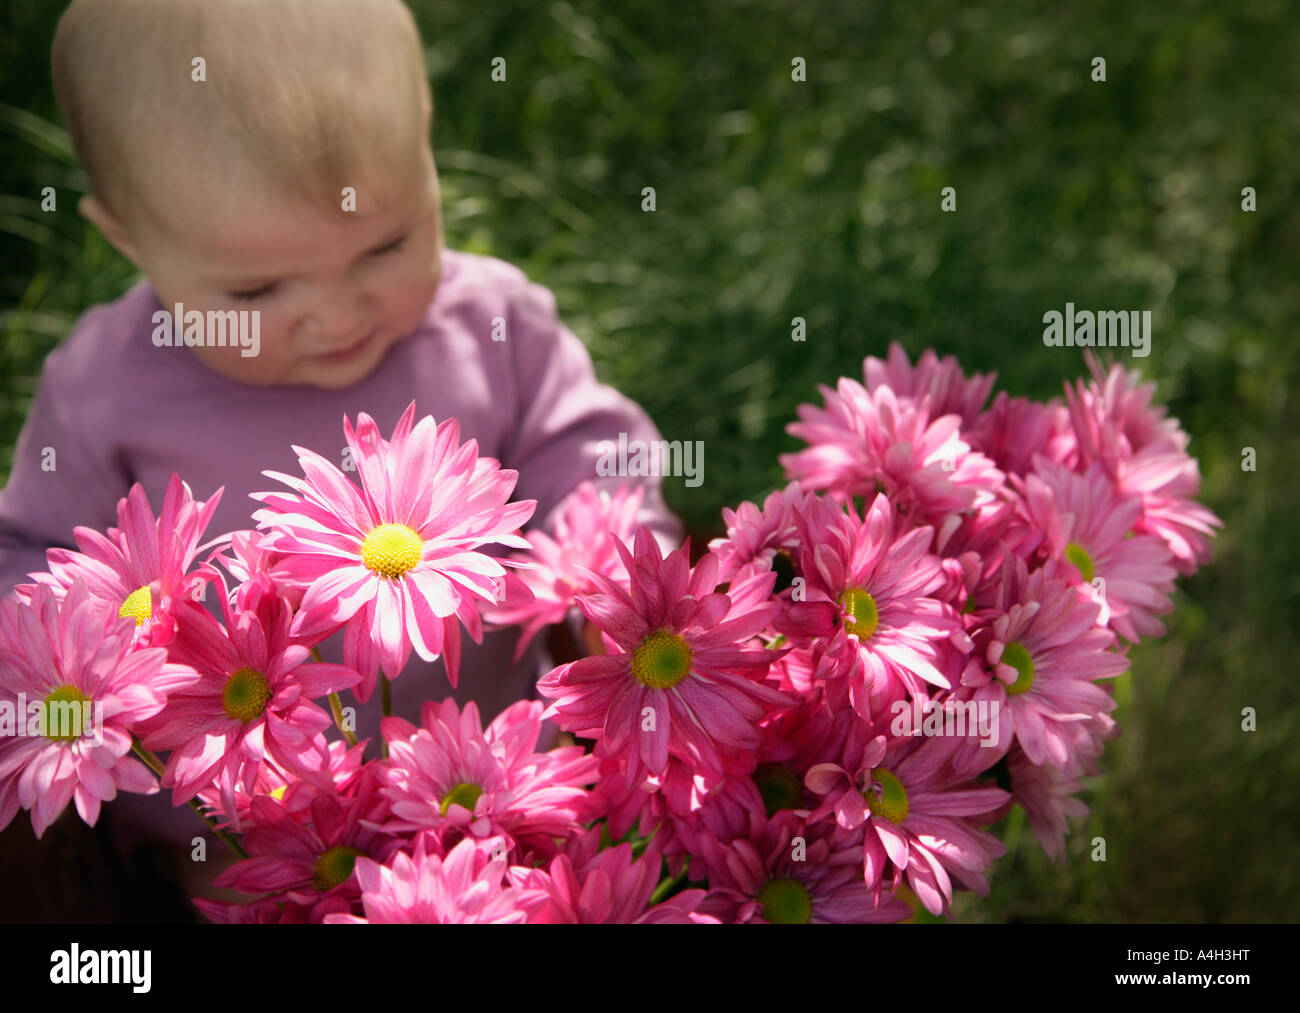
(138, 605)
(63, 722)
(861, 614)
(1015, 655)
(245, 694)
(1078, 555)
(465, 794)
(891, 803)
(785, 572)
(785, 902)
(778, 786)
(333, 867)
(391, 550)
(662, 661)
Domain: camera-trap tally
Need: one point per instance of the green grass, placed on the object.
(778, 199)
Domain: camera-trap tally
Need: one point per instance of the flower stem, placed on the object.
(668, 886)
(336, 708)
(157, 766)
(386, 706)
(336, 705)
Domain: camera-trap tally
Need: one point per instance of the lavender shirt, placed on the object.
(118, 410)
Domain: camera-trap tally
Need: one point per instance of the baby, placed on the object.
(274, 156)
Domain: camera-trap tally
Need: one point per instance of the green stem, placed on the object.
(157, 766)
(336, 705)
(668, 886)
(336, 708)
(386, 706)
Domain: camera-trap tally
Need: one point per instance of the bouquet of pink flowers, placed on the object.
(817, 721)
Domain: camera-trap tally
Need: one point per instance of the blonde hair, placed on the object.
(315, 94)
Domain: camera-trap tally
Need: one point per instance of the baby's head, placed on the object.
(225, 180)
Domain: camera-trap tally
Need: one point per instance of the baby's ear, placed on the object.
(114, 231)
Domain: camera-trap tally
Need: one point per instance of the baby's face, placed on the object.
(334, 292)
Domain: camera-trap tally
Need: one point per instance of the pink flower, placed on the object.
(681, 681)
(868, 598)
(1143, 452)
(942, 381)
(65, 661)
(251, 704)
(759, 540)
(1048, 796)
(345, 768)
(450, 775)
(590, 886)
(397, 561)
(311, 865)
(1013, 430)
(915, 812)
(140, 569)
(861, 442)
(1087, 527)
(1039, 660)
(586, 527)
(467, 886)
(793, 873)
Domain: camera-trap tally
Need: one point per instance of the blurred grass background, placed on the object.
(821, 199)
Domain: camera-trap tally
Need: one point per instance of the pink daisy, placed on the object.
(1013, 430)
(586, 526)
(61, 657)
(345, 768)
(449, 775)
(918, 817)
(1143, 453)
(140, 569)
(251, 704)
(861, 442)
(762, 539)
(312, 864)
(590, 886)
(868, 597)
(793, 873)
(1087, 531)
(1039, 660)
(1048, 795)
(397, 560)
(466, 886)
(681, 680)
(942, 381)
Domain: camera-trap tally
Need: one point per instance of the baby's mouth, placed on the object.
(349, 351)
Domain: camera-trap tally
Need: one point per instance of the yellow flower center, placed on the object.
(464, 794)
(891, 803)
(138, 605)
(392, 550)
(245, 694)
(333, 867)
(1078, 555)
(662, 661)
(861, 614)
(1015, 655)
(785, 902)
(63, 713)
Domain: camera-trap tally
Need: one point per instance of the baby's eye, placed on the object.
(392, 247)
(253, 293)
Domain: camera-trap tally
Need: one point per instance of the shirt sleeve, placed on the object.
(55, 485)
(565, 415)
